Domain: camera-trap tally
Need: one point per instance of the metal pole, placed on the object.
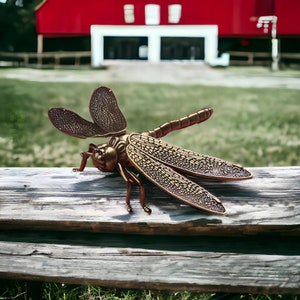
(264, 22)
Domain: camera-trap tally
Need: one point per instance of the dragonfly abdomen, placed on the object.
(186, 121)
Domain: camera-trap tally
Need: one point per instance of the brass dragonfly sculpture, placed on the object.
(157, 160)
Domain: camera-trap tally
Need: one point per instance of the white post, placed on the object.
(275, 45)
(275, 55)
(154, 47)
(264, 22)
(97, 48)
(211, 47)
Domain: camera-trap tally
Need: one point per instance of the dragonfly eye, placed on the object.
(99, 152)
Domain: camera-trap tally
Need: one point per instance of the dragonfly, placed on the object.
(167, 166)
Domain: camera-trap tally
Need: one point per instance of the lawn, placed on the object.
(250, 126)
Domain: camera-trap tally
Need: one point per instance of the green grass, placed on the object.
(54, 291)
(50, 291)
(250, 126)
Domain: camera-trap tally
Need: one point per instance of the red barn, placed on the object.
(175, 23)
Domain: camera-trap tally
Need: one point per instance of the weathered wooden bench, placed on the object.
(61, 226)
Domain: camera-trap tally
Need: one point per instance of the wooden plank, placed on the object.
(207, 271)
(290, 55)
(59, 199)
(57, 55)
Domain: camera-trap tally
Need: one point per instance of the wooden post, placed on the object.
(40, 43)
(77, 60)
(26, 59)
(40, 48)
(56, 59)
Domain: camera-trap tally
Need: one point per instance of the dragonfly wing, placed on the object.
(187, 161)
(105, 111)
(72, 124)
(173, 183)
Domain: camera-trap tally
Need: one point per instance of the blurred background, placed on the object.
(247, 31)
(240, 57)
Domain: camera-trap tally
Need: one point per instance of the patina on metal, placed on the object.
(160, 162)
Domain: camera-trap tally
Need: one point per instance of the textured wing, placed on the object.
(174, 183)
(105, 111)
(72, 124)
(187, 161)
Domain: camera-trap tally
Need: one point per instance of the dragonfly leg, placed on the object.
(142, 198)
(136, 180)
(85, 156)
(130, 179)
(142, 193)
(128, 193)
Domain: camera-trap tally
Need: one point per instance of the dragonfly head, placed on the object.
(105, 157)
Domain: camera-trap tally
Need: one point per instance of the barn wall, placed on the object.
(233, 17)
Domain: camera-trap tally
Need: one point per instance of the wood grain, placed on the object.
(60, 226)
(59, 199)
(153, 269)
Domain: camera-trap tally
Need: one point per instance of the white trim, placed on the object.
(154, 34)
